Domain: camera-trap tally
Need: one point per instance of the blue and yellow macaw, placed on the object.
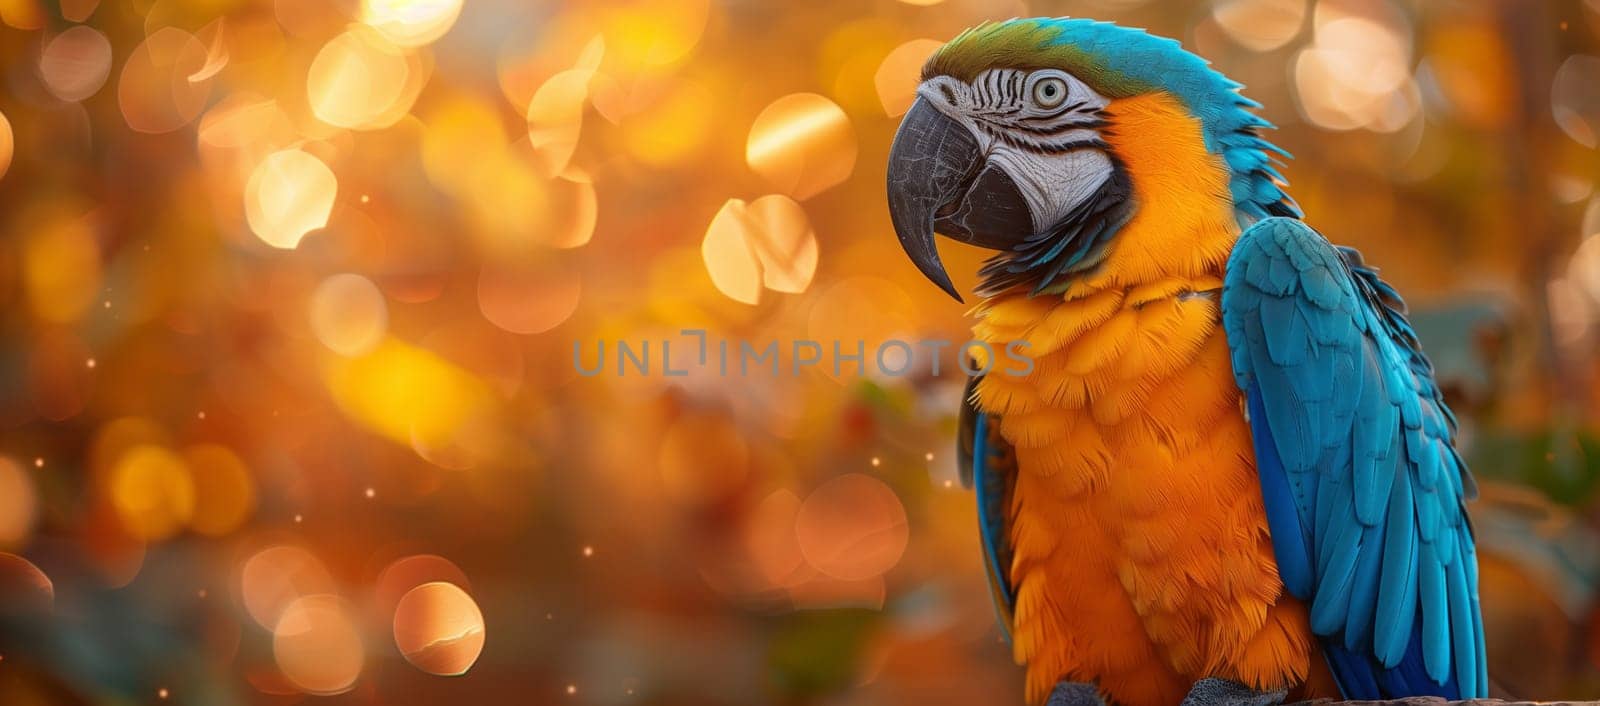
(1230, 475)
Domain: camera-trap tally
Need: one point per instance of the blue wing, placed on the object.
(988, 466)
(1354, 446)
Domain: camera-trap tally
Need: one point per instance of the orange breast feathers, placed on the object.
(1142, 560)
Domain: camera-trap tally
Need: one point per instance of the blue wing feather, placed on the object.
(1353, 443)
(988, 467)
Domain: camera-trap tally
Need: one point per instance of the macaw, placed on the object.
(1229, 477)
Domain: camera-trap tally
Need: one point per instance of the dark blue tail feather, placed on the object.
(1362, 678)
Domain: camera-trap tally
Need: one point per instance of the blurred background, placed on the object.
(290, 292)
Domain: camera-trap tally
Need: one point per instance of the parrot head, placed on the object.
(1008, 146)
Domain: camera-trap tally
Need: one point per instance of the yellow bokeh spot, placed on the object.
(802, 144)
(348, 314)
(439, 628)
(458, 135)
(224, 493)
(361, 81)
(555, 118)
(648, 35)
(217, 54)
(528, 299)
(75, 64)
(277, 576)
(408, 393)
(8, 144)
(154, 91)
(897, 77)
(674, 129)
(504, 191)
(19, 507)
(852, 527)
(573, 210)
(61, 268)
(152, 492)
(317, 645)
(1261, 25)
(411, 23)
(22, 14)
(765, 243)
(288, 195)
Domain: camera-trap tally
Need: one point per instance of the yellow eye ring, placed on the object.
(1049, 92)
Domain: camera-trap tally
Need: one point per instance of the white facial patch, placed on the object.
(1041, 127)
(1053, 184)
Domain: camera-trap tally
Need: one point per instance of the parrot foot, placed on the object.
(1074, 693)
(1213, 691)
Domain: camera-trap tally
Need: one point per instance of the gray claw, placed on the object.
(1074, 693)
(1213, 691)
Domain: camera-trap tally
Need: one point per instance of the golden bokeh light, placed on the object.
(154, 91)
(483, 349)
(459, 136)
(703, 459)
(243, 119)
(19, 506)
(22, 14)
(349, 314)
(152, 492)
(8, 145)
(672, 129)
(555, 118)
(1583, 269)
(408, 394)
(408, 572)
(289, 194)
(1357, 71)
(75, 64)
(897, 77)
(410, 23)
(528, 299)
(116, 437)
(236, 135)
(1575, 99)
(360, 81)
(78, 10)
(647, 36)
(317, 645)
(1261, 25)
(802, 144)
(24, 589)
(217, 56)
(852, 527)
(573, 210)
(565, 41)
(312, 18)
(439, 628)
(224, 493)
(276, 576)
(770, 539)
(765, 243)
(61, 270)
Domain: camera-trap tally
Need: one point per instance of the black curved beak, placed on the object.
(939, 179)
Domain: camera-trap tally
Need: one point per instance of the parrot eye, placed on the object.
(1049, 92)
